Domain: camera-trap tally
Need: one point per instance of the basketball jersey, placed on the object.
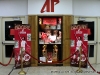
(23, 43)
(79, 43)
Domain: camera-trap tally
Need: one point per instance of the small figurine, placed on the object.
(40, 21)
(59, 20)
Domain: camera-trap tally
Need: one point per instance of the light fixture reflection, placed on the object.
(9, 26)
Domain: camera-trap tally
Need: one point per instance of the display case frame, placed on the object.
(67, 21)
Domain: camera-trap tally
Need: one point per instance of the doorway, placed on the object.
(7, 39)
(92, 39)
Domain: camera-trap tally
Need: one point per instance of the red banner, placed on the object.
(22, 41)
(79, 38)
(12, 31)
(51, 21)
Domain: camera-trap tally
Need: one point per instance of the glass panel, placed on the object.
(91, 26)
(9, 50)
(50, 38)
(91, 51)
(10, 25)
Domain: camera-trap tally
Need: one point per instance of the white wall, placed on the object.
(64, 7)
(13, 7)
(25, 7)
(0, 42)
(86, 7)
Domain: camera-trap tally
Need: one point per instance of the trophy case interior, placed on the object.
(49, 50)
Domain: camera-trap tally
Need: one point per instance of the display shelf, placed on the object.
(50, 39)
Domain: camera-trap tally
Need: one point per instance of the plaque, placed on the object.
(58, 26)
(42, 59)
(52, 27)
(41, 41)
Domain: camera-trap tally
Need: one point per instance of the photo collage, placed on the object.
(50, 31)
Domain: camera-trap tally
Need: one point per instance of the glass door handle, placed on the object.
(8, 42)
(93, 43)
(2, 42)
(96, 43)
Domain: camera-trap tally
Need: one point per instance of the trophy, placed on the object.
(44, 51)
(40, 21)
(55, 53)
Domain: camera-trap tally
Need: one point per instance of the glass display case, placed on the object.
(50, 39)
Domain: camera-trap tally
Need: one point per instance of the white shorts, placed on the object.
(77, 48)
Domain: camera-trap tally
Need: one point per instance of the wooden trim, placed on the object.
(32, 20)
(67, 21)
